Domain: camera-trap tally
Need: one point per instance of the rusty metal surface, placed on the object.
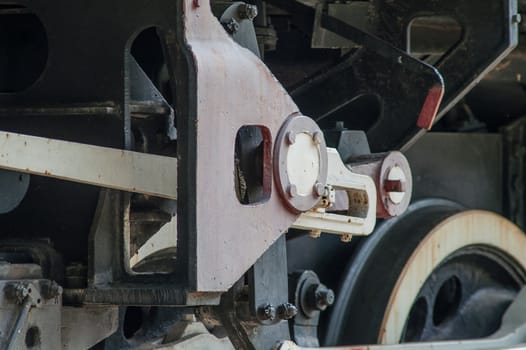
(393, 195)
(232, 88)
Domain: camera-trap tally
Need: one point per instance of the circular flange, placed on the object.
(395, 169)
(300, 163)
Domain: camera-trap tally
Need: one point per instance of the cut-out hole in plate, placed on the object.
(253, 175)
(429, 38)
(23, 48)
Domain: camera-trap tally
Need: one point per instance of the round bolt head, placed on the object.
(232, 26)
(291, 137)
(319, 189)
(247, 11)
(287, 311)
(317, 137)
(346, 238)
(267, 313)
(293, 190)
(315, 233)
(324, 297)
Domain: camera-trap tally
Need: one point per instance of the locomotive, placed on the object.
(268, 174)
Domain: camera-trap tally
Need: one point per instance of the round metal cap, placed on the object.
(300, 162)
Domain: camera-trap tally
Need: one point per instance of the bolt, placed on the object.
(16, 292)
(50, 289)
(317, 137)
(291, 137)
(267, 313)
(323, 297)
(319, 189)
(247, 11)
(232, 26)
(315, 233)
(346, 238)
(293, 190)
(516, 18)
(286, 311)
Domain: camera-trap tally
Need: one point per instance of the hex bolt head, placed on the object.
(293, 190)
(247, 11)
(287, 311)
(346, 238)
(232, 26)
(315, 233)
(317, 137)
(319, 189)
(323, 297)
(267, 313)
(291, 137)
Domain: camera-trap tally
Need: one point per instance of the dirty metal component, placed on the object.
(511, 335)
(300, 163)
(83, 327)
(311, 297)
(322, 297)
(28, 319)
(89, 164)
(215, 261)
(348, 143)
(267, 313)
(76, 276)
(325, 96)
(393, 179)
(237, 19)
(287, 311)
(481, 46)
(361, 191)
(454, 234)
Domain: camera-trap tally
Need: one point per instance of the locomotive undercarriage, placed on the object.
(186, 174)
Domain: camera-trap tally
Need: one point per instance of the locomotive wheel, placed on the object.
(436, 273)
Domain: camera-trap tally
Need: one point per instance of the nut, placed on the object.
(317, 137)
(346, 238)
(232, 26)
(291, 137)
(293, 190)
(323, 297)
(287, 311)
(267, 313)
(247, 11)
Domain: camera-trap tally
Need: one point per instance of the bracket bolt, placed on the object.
(293, 190)
(286, 311)
(267, 313)
(232, 26)
(315, 233)
(323, 297)
(319, 189)
(247, 11)
(346, 238)
(317, 137)
(291, 137)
